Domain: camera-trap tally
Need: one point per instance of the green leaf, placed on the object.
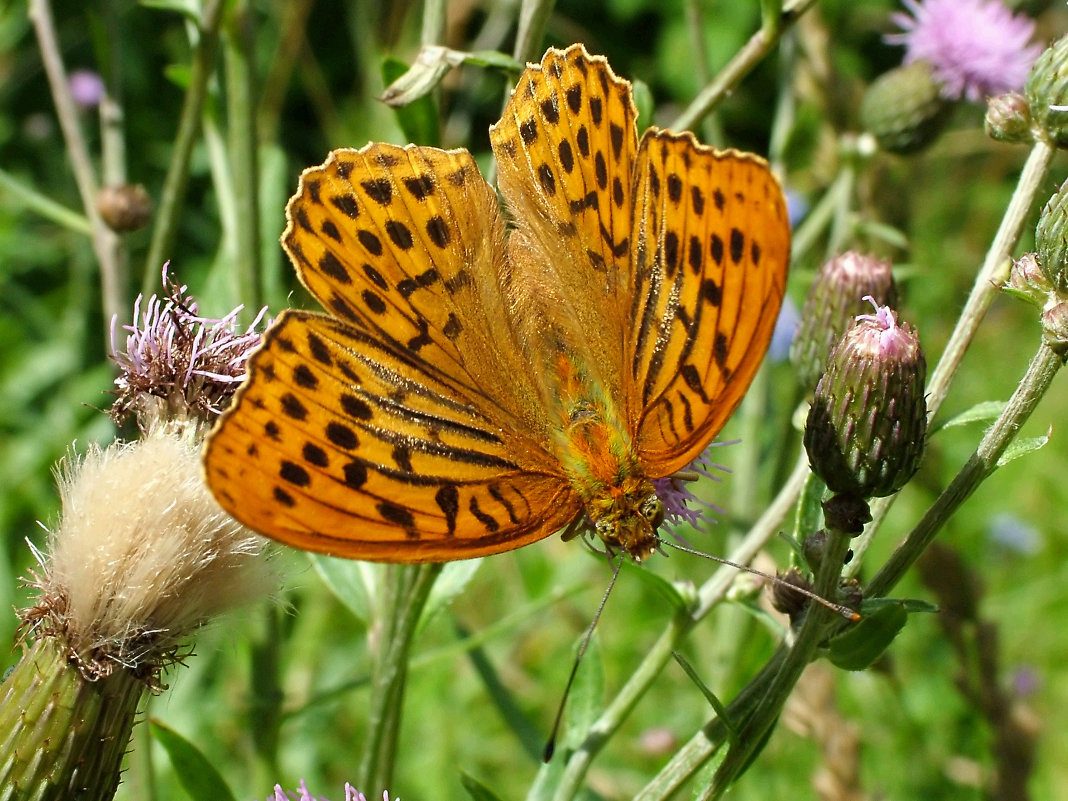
(859, 646)
(586, 700)
(453, 580)
(1022, 447)
(985, 412)
(713, 700)
(476, 789)
(198, 777)
(188, 8)
(354, 583)
(669, 590)
(809, 517)
(415, 107)
(643, 100)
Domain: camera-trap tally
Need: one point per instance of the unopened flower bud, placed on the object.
(125, 207)
(1055, 328)
(785, 599)
(904, 108)
(868, 420)
(835, 298)
(1047, 93)
(1008, 118)
(1051, 239)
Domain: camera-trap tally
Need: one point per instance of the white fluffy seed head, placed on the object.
(143, 555)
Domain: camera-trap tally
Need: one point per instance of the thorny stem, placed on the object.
(987, 284)
(758, 46)
(105, 241)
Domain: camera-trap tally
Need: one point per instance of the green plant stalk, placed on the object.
(407, 588)
(533, 17)
(105, 242)
(991, 276)
(45, 206)
(165, 229)
(822, 215)
(758, 46)
(753, 726)
(709, 595)
(243, 146)
(61, 735)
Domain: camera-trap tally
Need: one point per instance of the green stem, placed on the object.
(758, 46)
(407, 588)
(987, 284)
(243, 146)
(45, 206)
(533, 17)
(822, 215)
(711, 593)
(105, 241)
(165, 229)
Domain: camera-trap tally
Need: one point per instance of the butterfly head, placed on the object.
(627, 517)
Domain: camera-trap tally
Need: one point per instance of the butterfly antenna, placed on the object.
(841, 609)
(550, 746)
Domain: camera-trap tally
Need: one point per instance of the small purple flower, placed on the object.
(87, 88)
(976, 48)
(302, 794)
(175, 359)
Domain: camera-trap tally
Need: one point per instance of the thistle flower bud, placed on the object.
(1051, 239)
(835, 298)
(904, 108)
(124, 207)
(1027, 281)
(868, 420)
(1055, 328)
(1047, 93)
(1008, 118)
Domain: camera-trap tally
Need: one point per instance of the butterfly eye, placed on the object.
(652, 509)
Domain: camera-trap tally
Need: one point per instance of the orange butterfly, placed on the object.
(474, 389)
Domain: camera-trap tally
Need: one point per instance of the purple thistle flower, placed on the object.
(976, 48)
(177, 359)
(681, 506)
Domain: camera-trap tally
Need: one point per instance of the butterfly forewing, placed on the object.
(712, 244)
(565, 149)
(342, 445)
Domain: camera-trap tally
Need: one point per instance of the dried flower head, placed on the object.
(177, 363)
(141, 557)
(976, 48)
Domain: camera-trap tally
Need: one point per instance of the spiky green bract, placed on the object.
(1047, 94)
(1008, 118)
(63, 737)
(868, 420)
(1051, 239)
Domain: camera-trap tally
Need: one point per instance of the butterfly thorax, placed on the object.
(598, 456)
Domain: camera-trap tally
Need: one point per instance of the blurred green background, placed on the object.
(906, 728)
